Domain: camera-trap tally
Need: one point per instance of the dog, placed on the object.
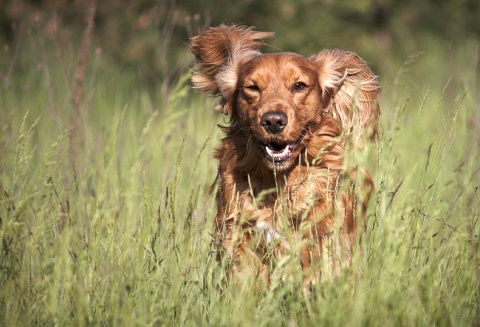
(285, 188)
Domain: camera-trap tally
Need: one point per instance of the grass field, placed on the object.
(117, 230)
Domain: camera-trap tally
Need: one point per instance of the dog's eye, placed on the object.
(299, 86)
(252, 87)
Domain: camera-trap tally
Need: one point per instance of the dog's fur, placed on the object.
(284, 186)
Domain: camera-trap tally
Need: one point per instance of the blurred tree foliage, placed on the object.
(150, 37)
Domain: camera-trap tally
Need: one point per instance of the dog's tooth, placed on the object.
(269, 151)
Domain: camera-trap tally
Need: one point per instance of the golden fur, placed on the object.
(283, 181)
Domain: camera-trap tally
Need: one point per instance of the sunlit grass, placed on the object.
(123, 235)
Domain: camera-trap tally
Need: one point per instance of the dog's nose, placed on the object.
(274, 122)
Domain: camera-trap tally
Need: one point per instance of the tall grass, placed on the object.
(124, 237)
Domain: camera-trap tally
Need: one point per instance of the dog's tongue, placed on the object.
(279, 152)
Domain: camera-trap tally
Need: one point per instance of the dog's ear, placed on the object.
(218, 52)
(350, 91)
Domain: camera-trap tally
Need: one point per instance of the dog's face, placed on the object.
(278, 99)
(285, 104)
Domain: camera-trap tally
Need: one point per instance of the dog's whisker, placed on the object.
(249, 144)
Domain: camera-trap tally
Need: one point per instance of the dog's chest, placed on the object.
(290, 196)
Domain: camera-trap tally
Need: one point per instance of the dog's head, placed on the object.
(285, 101)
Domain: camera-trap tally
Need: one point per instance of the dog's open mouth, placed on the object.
(278, 152)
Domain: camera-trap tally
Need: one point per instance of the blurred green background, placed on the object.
(149, 38)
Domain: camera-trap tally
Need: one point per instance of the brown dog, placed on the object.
(284, 186)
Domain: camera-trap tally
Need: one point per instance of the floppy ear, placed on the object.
(218, 52)
(350, 90)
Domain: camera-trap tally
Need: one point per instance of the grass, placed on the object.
(120, 233)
